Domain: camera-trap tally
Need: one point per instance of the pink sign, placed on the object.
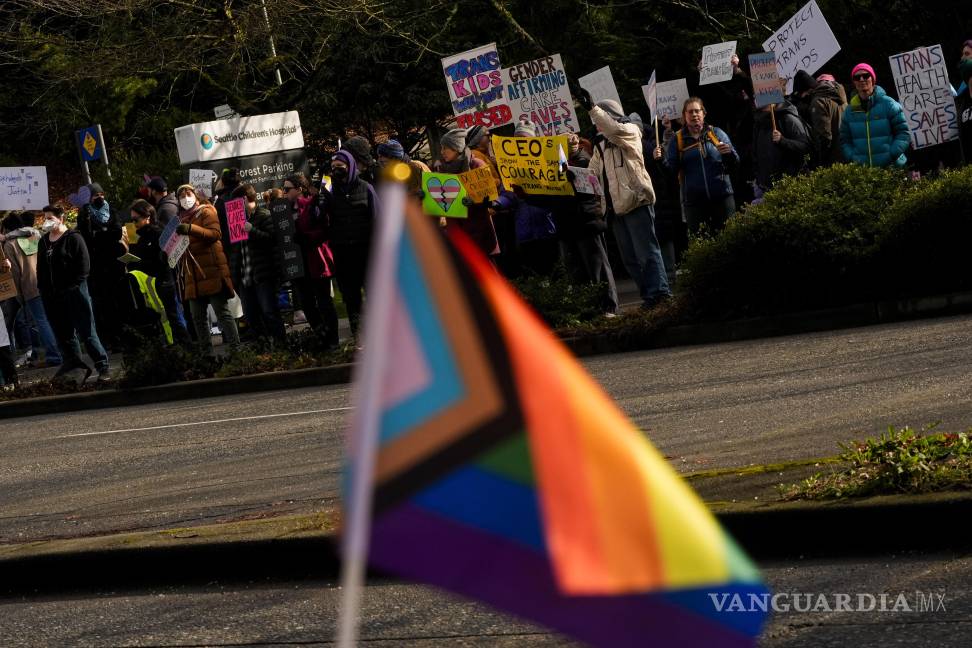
(236, 220)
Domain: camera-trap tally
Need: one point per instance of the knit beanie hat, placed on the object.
(826, 77)
(611, 107)
(526, 129)
(360, 148)
(186, 187)
(636, 119)
(864, 67)
(475, 135)
(803, 82)
(392, 149)
(95, 188)
(455, 140)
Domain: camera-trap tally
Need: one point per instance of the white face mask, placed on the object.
(49, 225)
(188, 202)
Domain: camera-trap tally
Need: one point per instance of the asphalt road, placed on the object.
(398, 614)
(705, 407)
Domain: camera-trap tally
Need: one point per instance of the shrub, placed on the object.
(805, 246)
(560, 300)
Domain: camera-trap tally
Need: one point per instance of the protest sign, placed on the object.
(538, 90)
(8, 288)
(291, 261)
(132, 233)
(480, 184)
(672, 95)
(586, 181)
(921, 78)
(476, 88)
(804, 42)
(202, 181)
(23, 188)
(533, 164)
(236, 220)
(173, 244)
(717, 63)
(765, 75)
(600, 84)
(651, 95)
(443, 195)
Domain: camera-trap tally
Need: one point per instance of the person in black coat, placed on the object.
(99, 224)
(782, 151)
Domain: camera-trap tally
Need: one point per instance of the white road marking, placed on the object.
(228, 420)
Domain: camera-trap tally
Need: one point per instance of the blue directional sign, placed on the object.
(90, 143)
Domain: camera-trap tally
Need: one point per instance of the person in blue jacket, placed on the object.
(874, 131)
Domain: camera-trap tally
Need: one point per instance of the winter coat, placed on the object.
(204, 269)
(63, 264)
(152, 259)
(703, 172)
(350, 210)
(584, 218)
(167, 209)
(23, 269)
(312, 236)
(620, 164)
(874, 132)
(786, 157)
(827, 102)
(963, 104)
(104, 245)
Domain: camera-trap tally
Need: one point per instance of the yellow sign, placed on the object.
(90, 144)
(533, 164)
(480, 184)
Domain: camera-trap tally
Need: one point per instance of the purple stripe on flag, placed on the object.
(426, 547)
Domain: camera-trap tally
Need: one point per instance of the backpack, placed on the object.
(680, 143)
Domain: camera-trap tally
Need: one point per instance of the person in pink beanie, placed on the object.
(874, 131)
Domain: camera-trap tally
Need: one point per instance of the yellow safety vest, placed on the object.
(147, 285)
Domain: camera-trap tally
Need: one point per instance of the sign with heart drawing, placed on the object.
(443, 195)
(80, 199)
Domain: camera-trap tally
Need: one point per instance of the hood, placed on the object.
(827, 90)
(348, 159)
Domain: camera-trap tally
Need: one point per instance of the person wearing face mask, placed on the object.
(63, 265)
(203, 271)
(349, 209)
(254, 268)
(20, 246)
(963, 104)
(874, 131)
(101, 228)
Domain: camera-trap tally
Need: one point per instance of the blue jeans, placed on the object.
(640, 252)
(41, 333)
(72, 317)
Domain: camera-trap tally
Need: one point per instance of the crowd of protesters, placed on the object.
(94, 286)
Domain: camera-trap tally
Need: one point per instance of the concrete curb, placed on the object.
(874, 526)
(867, 314)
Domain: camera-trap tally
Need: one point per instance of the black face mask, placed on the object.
(339, 174)
(98, 202)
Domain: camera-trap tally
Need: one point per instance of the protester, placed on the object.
(20, 245)
(204, 271)
(874, 131)
(963, 104)
(8, 368)
(628, 198)
(351, 208)
(827, 104)
(63, 265)
(702, 156)
(166, 205)
(101, 228)
(393, 151)
(964, 83)
(154, 263)
(360, 148)
(778, 151)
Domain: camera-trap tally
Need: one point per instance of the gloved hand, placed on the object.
(248, 227)
(467, 201)
(584, 98)
(570, 176)
(184, 228)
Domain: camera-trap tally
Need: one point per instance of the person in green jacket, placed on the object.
(874, 131)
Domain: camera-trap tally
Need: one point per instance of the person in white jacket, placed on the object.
(628, 198)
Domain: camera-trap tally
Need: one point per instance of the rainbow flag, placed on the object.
(505, 473)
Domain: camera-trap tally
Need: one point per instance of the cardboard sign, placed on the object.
(476, 88)
(291, 261)
(23, 188)
(8, 288)
(173, 244)
(132, 233)
(538, 90)
(202, 181)
(600, 83)
(236, 220)
(586, 181)
(533, 164)
(717, 63)
(672, 95)
(480, 184)
(765, 75)
(921, 78)
(651, 96)
(443, 195)
(804, 42)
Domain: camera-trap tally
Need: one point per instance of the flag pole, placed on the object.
(363, 439)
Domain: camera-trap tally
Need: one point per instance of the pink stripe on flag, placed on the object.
(411, 373)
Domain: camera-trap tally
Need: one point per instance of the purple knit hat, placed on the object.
(864, 67)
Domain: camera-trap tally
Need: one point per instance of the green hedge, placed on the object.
(839, 235)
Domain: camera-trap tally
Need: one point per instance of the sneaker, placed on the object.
(23, 359)
(610, 315)
(103, 377)
(299, 317)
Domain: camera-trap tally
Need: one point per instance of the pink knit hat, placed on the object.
(826, 77)
(864, 67)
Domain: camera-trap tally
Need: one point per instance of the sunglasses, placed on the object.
(288, 188)
(862, 77)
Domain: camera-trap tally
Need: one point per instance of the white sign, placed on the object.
(585, 181)
(225, 112)
(921, 78)
(202, 181)
(538, 90)
(651, 95)
(717, 63)
(235, 138)
(672, 95)
(476, 88)
(600, 84)
(23, 188)
(804, 42)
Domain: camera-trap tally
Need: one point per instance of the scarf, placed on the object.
(459, 165)
(101, 215)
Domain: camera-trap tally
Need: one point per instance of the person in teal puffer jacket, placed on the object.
(874, 131)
